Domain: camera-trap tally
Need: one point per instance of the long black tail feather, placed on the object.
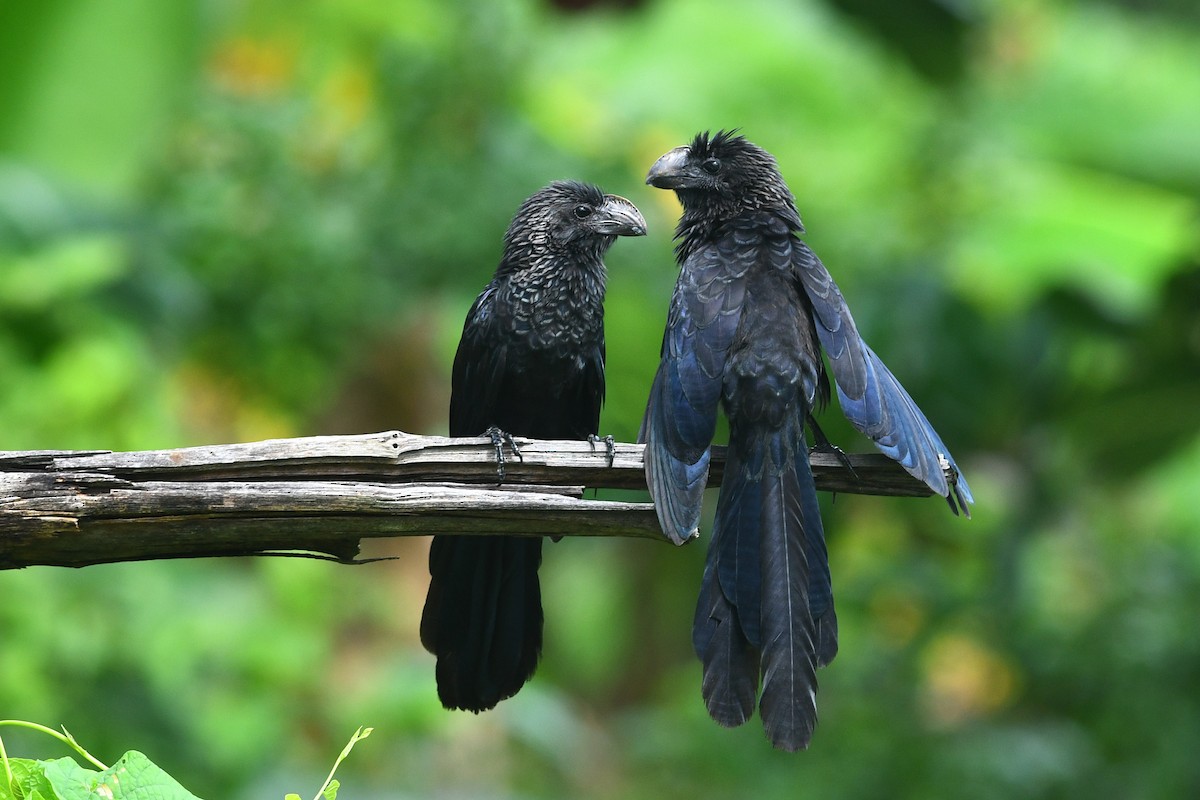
(789, 648)
(766, 606)
(730, 662)
(483, 617)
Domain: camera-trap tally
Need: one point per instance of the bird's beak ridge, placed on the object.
(619, 217)
(671, 170)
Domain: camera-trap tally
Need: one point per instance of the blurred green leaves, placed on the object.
(1043, 225)
(234, 221)
(90, 87)
(67, 269)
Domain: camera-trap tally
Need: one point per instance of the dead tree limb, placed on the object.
(323, 494)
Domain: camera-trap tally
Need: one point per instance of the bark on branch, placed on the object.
(323, 494)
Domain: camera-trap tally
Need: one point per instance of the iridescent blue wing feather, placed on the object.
(870, 396)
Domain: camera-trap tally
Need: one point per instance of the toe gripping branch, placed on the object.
(609, 446)
(499, 439)
(821, 444)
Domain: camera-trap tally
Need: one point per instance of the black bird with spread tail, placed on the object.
(751, 311)
(531, 363)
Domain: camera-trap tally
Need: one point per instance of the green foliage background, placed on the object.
(231, 221)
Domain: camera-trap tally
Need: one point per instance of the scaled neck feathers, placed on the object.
(750, 194)
(536, 251)
(543, 232)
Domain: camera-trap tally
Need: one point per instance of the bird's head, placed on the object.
(573, 216)
(723, 174)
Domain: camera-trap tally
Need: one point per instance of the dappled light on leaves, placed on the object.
(964, 680)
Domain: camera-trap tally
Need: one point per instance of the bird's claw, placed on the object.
(821, 444)
(499, 439)
(610, 446)
(836, 452)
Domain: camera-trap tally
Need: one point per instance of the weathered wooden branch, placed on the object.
(323, 494)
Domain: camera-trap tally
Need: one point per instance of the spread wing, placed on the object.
(681, 415)
(870, 396)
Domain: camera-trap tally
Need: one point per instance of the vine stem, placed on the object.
(358, 736)
(65, 737)
(8, 776)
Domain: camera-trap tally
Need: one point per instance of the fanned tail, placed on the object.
(483, 617)
(766, 605)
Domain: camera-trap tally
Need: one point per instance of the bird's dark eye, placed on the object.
(710, 165)
(582, 212)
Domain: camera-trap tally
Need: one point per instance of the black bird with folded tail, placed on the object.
(530, 363)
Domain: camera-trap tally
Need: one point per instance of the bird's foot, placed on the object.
(610, 446)
(836, 452)
(821, 444)
(499, 439)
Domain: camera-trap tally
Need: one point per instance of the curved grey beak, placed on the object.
(671, 171)
(619, 217)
